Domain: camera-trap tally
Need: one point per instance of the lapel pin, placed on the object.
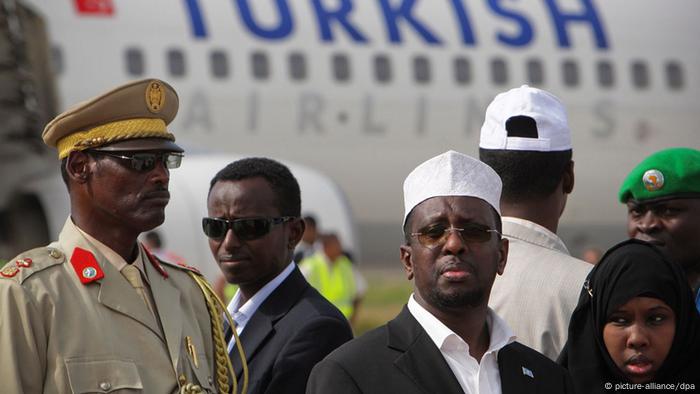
(527, 372)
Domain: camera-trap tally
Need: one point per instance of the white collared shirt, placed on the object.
(474, 377)
(242, 313)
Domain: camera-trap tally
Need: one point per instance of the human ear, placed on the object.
(502, 255)
(77, 167)
(406, 261)
(568, 178)
(296, 231)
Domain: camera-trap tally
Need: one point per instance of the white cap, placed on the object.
(451, 174)
(514, 111)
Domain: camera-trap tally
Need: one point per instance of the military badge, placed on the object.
(23, 263)
(9, 271)
(155, 97)
(653, 180)
(86, 266)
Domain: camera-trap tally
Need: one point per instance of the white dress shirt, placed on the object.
(474, 377)
(242, 314)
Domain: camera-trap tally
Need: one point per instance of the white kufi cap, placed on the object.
(526, 119)
(451, 174)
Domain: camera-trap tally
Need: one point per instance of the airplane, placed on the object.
(365, 90)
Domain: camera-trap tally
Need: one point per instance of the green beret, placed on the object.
(671, 172)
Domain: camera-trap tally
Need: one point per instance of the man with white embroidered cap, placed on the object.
(94, 311)
(526, 140)
(446, 340)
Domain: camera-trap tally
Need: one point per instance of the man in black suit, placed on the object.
(285, 325)
(446, 340)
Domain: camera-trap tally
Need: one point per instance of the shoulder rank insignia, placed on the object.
(189, 267)
(23, 263)
(9, 271)
(86, 266)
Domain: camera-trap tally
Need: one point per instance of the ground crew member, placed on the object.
(331, 273)
(94, 311)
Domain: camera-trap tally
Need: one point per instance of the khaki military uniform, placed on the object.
(71, 323)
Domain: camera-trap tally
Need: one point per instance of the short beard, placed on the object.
(463, 299)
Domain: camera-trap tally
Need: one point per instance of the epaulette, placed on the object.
(182, 266)
(158, 264)
(30, 262)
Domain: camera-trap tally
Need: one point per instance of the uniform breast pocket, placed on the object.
(103, 376)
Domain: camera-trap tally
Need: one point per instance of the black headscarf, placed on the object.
(630, 269)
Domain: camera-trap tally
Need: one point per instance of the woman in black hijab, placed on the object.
(635, 323)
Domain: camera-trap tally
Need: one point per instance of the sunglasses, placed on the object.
(246, 229)
(144, 162)
(435, 236)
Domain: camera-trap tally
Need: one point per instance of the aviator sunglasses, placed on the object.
(434, 236)
(246, 229)
(144, 162)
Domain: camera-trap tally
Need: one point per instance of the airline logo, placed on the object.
(399, 17)
(95, 7)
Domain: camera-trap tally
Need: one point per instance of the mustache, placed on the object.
(456, 265)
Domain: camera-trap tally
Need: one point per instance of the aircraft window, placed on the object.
(176, 62)
(499, 71)
(382, 68)
(261, 65)
(297, 66)
(219, 64)
(535, 72)
(640, 75)
(463, 70)
(57, 60)
(421, 69)
(606, 75)
(341, 67)
(674, 75)
(134, 61)
(570, 73)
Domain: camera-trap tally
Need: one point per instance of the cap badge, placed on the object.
(653, 180)
(155, 97)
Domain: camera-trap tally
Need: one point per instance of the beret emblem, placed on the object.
(653, 180)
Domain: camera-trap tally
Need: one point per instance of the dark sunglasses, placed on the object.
(144, 162)
(434, 236)
(246, 229)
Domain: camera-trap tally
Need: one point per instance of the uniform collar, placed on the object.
(533, 233)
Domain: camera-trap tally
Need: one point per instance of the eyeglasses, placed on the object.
(144, 162)
(245, 229)
(435, 236)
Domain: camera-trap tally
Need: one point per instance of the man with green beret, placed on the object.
(663, 207)
(95, 311)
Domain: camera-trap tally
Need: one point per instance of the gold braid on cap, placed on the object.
(224, 368)
(112, 132)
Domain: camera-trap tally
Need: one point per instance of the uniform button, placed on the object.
(182, 379)
(54, 253)
(105, 386)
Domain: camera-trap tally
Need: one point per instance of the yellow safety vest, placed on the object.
(335, 281)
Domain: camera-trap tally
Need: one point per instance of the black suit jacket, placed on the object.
(401, 358)
(293, 329)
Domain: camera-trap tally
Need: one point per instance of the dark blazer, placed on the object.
(293, 329)
(401, 358)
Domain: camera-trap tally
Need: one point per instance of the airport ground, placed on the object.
(387, 292)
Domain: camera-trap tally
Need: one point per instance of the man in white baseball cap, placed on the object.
(526, 140)
(447, 339)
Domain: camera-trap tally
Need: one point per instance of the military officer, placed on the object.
(94, 311)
